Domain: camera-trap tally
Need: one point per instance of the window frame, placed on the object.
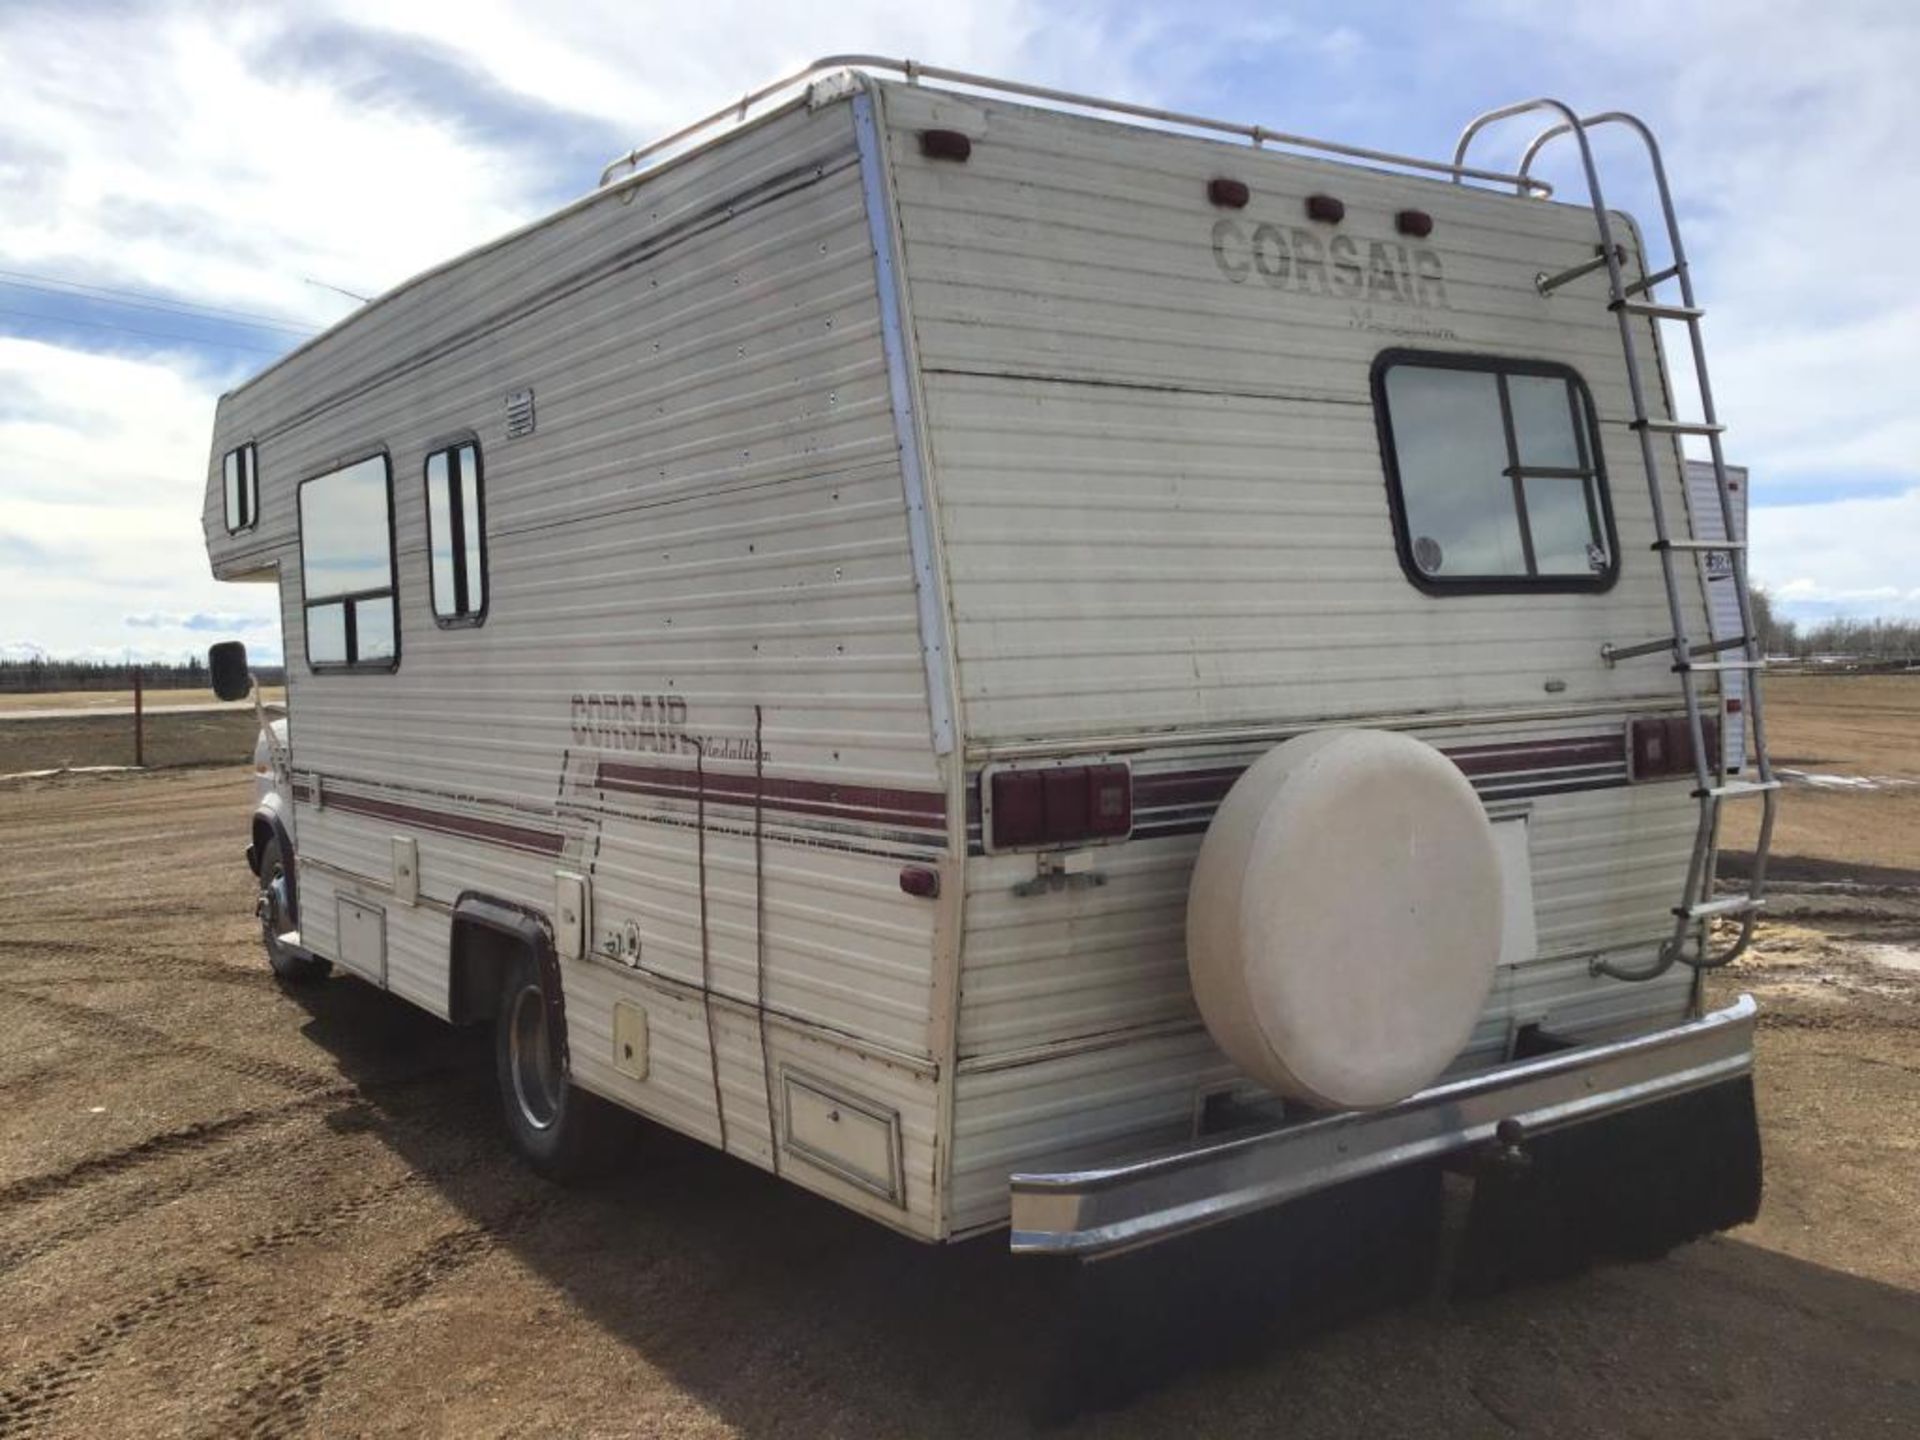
(470, 619)
(390, 663)
(1598, 492)
(249, 488)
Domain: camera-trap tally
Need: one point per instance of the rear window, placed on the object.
(1494, 472)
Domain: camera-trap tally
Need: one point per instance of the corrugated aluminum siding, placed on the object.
(1164, 514)
(710, 508)
(1161, 491)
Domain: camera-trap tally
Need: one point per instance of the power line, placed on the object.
(350, 294)
(142, 301)
(149, 334)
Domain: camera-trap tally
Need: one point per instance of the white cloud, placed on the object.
(102, 464)
(1787, 135)
(1841, 557)
(168, 151)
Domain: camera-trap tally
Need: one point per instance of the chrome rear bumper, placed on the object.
(1137, 1202)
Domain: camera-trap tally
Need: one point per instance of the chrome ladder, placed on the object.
(1631, 301)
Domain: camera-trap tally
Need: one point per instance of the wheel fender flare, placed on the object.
(476, 914)
(269, 823)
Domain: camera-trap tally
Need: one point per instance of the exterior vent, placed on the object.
(519, 414)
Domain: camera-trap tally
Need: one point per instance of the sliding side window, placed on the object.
(1494, 472)
(242, 483)
(346, 567)
(457, 535)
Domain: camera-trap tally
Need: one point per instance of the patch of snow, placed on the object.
(1895, 957)
(1821, 781)
(70, 770)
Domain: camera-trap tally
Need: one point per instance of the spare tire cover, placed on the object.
(1344, 919)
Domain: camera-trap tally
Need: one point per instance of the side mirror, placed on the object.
(227, 663)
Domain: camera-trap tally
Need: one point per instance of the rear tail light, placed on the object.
(945, 145)
(1660, 747)
(1057, 806)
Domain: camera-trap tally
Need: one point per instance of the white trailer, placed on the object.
(1018, 666)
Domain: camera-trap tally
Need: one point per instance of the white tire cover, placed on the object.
(1344, 919)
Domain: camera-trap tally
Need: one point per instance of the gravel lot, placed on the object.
(225, 1208)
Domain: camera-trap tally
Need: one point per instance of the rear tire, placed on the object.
(277, 916)
(559, 1129)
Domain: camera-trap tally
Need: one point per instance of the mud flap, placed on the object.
(1120, 1326)
(1628, 1187)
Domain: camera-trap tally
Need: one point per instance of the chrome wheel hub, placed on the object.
(536, 1077)
(272, 906)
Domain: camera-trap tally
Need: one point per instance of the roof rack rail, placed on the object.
(915, 72)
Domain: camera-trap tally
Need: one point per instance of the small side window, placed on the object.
(1495, 474)
(346, 567)
(243, 489)
(457, 534)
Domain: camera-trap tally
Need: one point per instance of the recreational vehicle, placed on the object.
(1025, 662)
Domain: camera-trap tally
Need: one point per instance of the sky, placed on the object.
(187, 189)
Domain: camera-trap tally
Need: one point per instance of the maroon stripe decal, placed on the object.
(518, 837)
(915, 809)
(1530, 763)
(1184, 787)
(1209, 787)
(1540, 755)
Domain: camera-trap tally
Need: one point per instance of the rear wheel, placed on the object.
(558, 1128)
(276, 911)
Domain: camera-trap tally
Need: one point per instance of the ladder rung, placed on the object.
(1657, 311)
(1640, 287)
(1709, 546)
(1737, 789)
(1726, 905)
(1721, 665)
(1676, 427)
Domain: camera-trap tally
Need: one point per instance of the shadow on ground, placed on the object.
(785, 1315)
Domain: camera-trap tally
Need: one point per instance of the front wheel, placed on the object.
(559, 1129)
(276, 912)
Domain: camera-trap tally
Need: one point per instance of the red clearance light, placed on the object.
(1660, 747)
(1064, 805)
(1231, 194)
(945, 145)
(1417, 223)
(1733, 705)
(1327, 208)
(919, 881)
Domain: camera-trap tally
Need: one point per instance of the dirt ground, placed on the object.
(229, 1208)
(1849, 746)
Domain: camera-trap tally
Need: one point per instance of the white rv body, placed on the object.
(821, 476)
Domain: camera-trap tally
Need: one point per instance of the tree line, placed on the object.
(39, 673)
(1879, 643)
